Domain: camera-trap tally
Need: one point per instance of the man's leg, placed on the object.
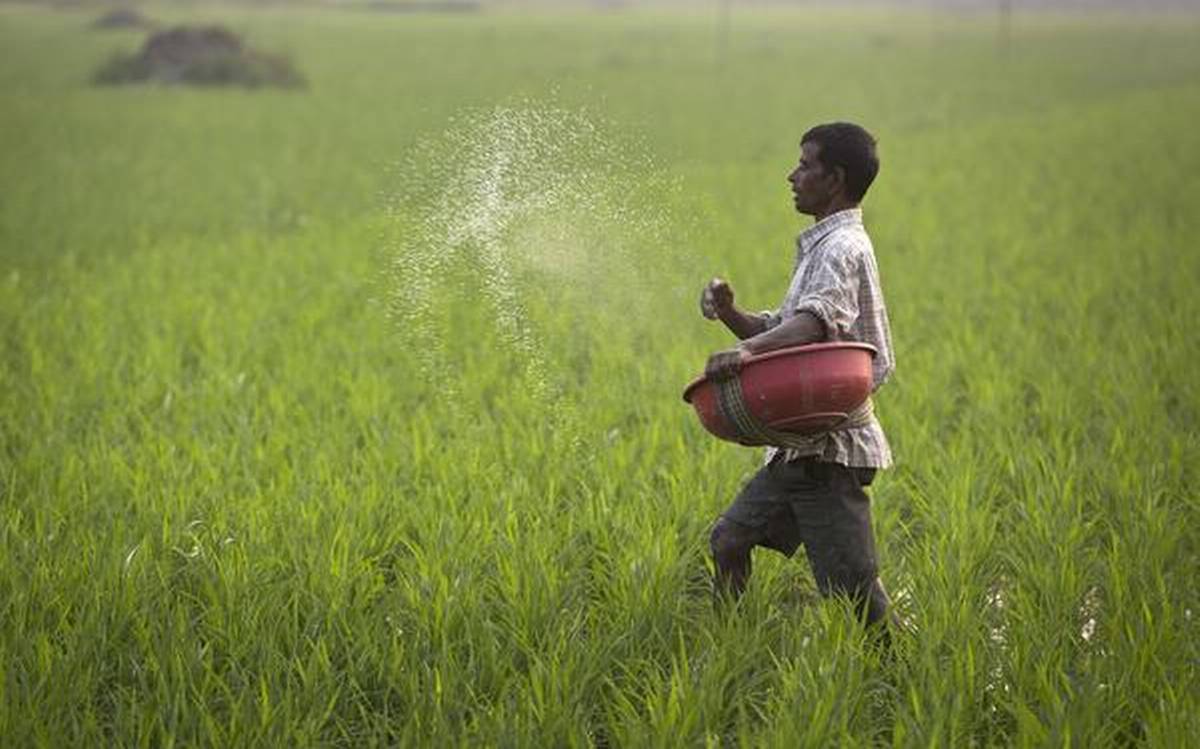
(835, 522)
(761, 515)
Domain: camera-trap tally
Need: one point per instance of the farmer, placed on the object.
(814, 494)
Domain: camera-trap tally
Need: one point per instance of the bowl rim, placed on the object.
(789, 350)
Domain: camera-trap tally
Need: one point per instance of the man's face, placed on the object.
(811, 185)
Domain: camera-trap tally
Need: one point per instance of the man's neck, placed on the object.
(835, 205)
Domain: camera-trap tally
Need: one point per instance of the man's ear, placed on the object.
(839, 179)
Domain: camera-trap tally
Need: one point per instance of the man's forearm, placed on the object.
(801, 329)
(742, 325)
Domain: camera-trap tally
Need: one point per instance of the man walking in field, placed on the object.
(815, 495)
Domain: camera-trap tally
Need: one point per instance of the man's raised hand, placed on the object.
(716, 299)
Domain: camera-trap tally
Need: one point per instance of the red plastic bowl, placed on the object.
(802, 390)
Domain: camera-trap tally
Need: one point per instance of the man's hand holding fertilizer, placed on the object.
(814, 495)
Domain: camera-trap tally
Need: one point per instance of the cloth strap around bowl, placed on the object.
(733, 408)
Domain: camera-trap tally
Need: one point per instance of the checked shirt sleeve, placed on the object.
(830, 289)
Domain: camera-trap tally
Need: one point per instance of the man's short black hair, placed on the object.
(852, 148)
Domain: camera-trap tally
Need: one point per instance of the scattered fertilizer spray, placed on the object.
(534, 206)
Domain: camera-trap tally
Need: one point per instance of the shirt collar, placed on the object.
(815, 233)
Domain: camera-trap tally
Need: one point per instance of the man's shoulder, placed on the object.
(847, 242)
(854, 234)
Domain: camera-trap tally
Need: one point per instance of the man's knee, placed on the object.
(729, 541)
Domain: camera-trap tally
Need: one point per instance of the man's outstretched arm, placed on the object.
(804, 328)
(743, 325)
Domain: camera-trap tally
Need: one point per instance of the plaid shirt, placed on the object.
(836, 279)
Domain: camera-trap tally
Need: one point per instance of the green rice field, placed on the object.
(350, 415)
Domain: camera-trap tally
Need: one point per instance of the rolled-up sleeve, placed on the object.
(831, 290)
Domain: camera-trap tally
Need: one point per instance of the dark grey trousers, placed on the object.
(821, 506)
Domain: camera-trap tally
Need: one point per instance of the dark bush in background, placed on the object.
(199, 55)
